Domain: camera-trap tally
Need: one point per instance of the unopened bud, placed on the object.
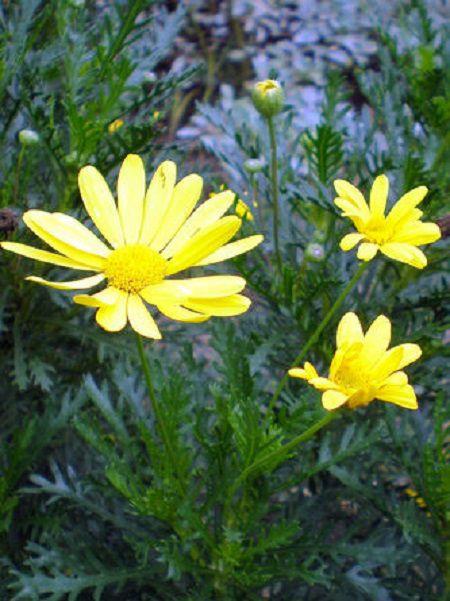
(28, 137)
(315, 252)
(254, 165)
(268, 97)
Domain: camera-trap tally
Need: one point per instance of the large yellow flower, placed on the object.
(152, 235)
(363, 369)
(396, 235)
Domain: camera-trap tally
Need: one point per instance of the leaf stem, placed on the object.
(274, 182)
(314, 337)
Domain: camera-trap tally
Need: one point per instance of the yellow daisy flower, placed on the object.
(396, 235)
(152, 234)
(363, 369)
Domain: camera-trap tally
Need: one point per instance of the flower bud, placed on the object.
(254, 165)
(115, 125)
(28, 137)
(315, 252)
(268, 97)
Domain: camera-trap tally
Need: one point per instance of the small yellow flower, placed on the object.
(363, 369)
(396, 235)
(242, 210)
(153, 234)
(115, 125)
(411, 492)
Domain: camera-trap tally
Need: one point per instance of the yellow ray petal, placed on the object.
(349, 330)
(71, 285)
(405, 253)
(298, 372)
(378, 196)
(185, 197)
(350, 241)
(44, 256)
(212, 286)
(107, 296)
(71, 231)
(323, 384)
(404, 396)
(332, 399)
(417, 233)
(100, 205)
(367, 251)
(220, 307)
(113, 318)
(389, 363)
(140, 319)
(157, 200)
(33, 219)
(131, 191)
(170, 292)
(209, 212)
(407, 202)
(204, 243)
(347, 191)
(376, 342)
(410, 353)
(178, 313)
(398, 378)
(228, 251)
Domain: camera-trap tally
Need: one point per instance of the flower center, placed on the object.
(131, 268)
(377, 232)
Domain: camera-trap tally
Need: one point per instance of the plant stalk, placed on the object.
(274, 182)
(159, 414)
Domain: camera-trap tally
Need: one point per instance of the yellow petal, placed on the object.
(170, 292)
(71, 285)
(323, 384)
(140, 319)
(71, 231)
(100, 205)
(131, 191)
(367, 251)
(204, 243)
(404, 396)
(405, 253)
(389, 363)
(407, 202)
(178, 313)
(231, 250)
(221, 307)
(298, 372)
(350, 240)
(107, 296)
(209, 212)
(157, 200)
(347, 191)
(113, 318)
(398, 378)
(410, 353)
(310, 370)
(376, 342)
(40, 224)
(378, 196)
(212, 286)
(417, 233)
(43, 255)
(332, 399)
(349, 330)
(185, 197)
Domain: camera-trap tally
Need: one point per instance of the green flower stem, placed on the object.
(313, 339)
(159, 415)
(274, 181)
(18, 170)
(304, 437)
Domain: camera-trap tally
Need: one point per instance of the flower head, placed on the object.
(396, 235)
(115, 125)
(268, 97)
(363, 369)
(152, 235)
(28, 137)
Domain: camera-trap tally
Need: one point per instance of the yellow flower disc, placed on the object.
(131, 268)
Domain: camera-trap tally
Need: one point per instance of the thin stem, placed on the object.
(304, 437)
(18, 170)
(159, 414)
(274, 181)
(313, 339)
